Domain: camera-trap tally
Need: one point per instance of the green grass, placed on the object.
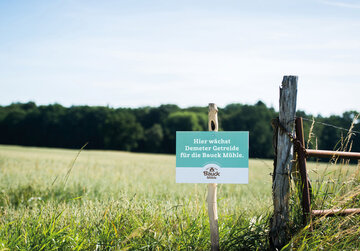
(127, 201)
(120, 200)
(335, 186)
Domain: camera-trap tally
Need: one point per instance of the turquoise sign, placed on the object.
(212, 157)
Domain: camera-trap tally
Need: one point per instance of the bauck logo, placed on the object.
(211, 172)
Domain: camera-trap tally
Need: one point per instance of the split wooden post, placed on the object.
(279, 233)
(212, 187)
(305, 184)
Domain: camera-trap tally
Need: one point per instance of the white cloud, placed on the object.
(344, 4)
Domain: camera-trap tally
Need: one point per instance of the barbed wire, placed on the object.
(330, 125)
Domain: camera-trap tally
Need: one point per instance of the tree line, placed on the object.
(152, 129)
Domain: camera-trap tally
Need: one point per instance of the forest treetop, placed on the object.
(152, 129)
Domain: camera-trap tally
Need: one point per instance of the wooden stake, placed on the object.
(305, 182)
(211, 199)
(279, 233)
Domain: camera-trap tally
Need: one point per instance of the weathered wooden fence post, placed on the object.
(279, 233)
(212, 187)
(305, 183)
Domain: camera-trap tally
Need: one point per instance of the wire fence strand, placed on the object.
(330, 125)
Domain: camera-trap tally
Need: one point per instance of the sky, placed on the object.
(132, 53)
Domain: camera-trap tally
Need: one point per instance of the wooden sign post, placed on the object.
(212, 157)
(212, 187)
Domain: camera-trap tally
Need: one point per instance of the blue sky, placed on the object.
(138, 53)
